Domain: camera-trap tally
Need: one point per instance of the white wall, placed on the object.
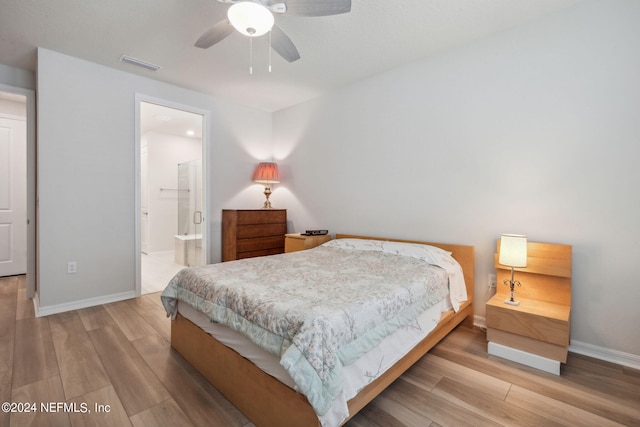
(535, 130)
(86, 173)
(165, 152)
(16, 77)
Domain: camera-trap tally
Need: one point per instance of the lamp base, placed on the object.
(514, 302)
(267, 193)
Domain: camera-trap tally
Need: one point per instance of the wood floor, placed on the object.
(112, 365)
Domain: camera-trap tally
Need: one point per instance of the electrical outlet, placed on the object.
(492, 281)
(72, 267)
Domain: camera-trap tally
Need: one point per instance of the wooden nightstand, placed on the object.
(536, 332)
(298, 242)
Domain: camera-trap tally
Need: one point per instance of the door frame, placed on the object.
(206, 175)
(32, 195)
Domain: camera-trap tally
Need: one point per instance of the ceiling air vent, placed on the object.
(139, 63)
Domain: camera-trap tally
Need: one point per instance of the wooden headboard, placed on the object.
(547, 276)
(462, 253)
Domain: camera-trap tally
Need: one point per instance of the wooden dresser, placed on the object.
(536, 332)
(252, 232)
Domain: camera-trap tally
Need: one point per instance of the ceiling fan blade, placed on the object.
(282, 44)
(317, 7)
(217, 33)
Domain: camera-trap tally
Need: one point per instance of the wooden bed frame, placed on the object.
(268, 402)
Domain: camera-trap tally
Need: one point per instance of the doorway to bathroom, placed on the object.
(172, 203)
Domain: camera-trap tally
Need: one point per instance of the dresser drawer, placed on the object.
(262, 252)
(261, 230)
(261, 243)
(264, 216)
(252, 232)
(521, 321)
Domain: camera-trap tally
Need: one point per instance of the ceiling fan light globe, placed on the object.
(250, 19)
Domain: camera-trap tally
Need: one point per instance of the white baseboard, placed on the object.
(586, 349)
(480, 322)
(76, 305)
(602, 353)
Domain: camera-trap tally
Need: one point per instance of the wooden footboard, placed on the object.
(268, 402)
(261, 397)
(447, 323)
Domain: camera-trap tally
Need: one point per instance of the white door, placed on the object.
(13, 196)
(144, 198)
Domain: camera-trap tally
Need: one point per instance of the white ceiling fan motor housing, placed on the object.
(251, 19)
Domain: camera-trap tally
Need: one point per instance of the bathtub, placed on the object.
(182, 244)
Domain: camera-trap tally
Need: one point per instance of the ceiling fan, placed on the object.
(254, 18)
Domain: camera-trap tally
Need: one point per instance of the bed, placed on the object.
(321, 375)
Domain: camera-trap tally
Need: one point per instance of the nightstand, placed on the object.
(536, 332)
(298, 242)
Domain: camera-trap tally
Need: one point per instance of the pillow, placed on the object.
(427, 253)
(415, 250)
(356, 244)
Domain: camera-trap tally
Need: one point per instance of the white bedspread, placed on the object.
(320, 309)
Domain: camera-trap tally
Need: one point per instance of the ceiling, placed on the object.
(377, 35)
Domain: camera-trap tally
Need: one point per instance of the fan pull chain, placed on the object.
(269, 50)
(250, 55)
